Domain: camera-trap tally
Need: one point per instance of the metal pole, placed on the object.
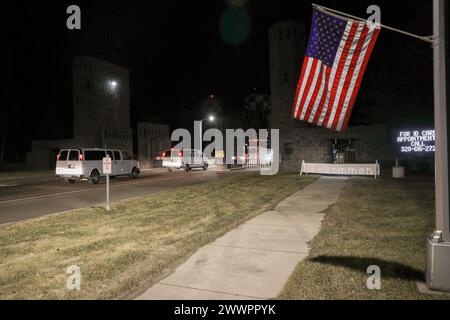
(107, 192)
(440, 120)
(201, 138)
(438, 246)
(343, 14)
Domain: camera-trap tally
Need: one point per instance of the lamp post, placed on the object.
(438, 245)
(210, 119)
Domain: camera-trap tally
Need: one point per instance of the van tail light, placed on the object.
(138, 164)
(80, 157)
(180, 153)
(57, 157)
(163, 154)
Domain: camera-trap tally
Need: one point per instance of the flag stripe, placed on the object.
(313, 88)
(335, 89)
(303, 83)
(357, 63)
(347, 83)
(342, 88)
(317, 93)
(309, 81)
(333, 72)
(300, 83)
(317, 110)
(360, 76)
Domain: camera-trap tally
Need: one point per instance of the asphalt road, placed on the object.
(22, 199)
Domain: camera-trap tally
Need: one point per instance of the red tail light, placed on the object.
(57, 157)
(180, 153)
(164, 154)
(80, 157)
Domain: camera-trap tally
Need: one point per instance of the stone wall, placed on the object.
(314, 144)
(43, 154)
(118, 138)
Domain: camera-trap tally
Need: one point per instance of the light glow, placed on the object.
(113, 84)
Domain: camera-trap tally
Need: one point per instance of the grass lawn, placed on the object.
(6, 175)
(135, 243)
(380, 222)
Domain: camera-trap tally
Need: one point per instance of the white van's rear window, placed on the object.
(63, 155)
(94, 155)
(74, 155)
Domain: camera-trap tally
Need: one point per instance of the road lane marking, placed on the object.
(8, 185)
(96, 188)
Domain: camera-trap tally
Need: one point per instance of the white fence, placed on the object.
(346, 169)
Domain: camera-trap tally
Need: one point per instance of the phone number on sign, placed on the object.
(418, 149)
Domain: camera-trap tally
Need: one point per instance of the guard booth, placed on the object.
(343, 150)
(152, 140)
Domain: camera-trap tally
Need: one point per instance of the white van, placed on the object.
(185, 159)
(87, 164)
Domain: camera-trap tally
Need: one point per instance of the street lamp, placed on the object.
(210, 119)
(112, 84)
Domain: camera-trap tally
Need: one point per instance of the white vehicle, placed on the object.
(87, 164)
(185, 159)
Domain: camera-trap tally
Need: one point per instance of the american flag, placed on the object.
(336, 57)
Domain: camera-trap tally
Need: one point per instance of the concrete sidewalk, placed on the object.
(255, 260)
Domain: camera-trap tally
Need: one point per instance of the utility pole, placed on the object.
(3, 130)
(438, 245)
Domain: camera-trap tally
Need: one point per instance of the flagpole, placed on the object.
(428, 39)
(438, 245)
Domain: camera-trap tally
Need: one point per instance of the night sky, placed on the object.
(180, 52)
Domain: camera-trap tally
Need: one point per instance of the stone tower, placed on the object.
(257, 111)
(287, 44)
(101, 112)
(101, 104)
